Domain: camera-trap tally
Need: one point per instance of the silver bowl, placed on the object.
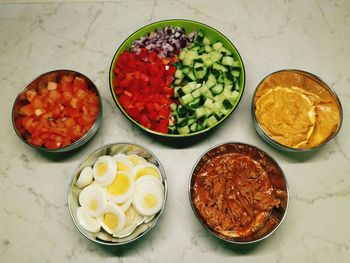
(73, 192)
(278, 182)
(295, 77)
(42, 80)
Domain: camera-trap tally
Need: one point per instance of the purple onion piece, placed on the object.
(166, 41)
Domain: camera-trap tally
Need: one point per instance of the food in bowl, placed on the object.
(238, 192)
(117, 194)
(296, 109)
(56, 110)
(177, 81)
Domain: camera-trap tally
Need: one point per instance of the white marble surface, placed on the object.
(36, 37)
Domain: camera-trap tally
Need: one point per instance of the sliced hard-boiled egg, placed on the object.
(87, 222)
(85, 177)
(93, 199)
(105, 170)
(148, 199)
(149, 179)
(125, 206)
(133, 219)
(136, 159)
(112, 219)
(121, 189)
(145, 169)
(124, 165)
(120, 156)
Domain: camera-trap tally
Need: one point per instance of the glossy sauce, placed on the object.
(239, 192)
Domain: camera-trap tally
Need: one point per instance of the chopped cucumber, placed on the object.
(211, 121)
(208, 103)
(217, 89)
(235, 73)
(193, 127)
(194, 104)
(200, 112)
(173, 106)
(206, 41)
(184, 130)
(227, 61)
(196, 93)
(184, 100)
(217, 46)
(178, 74)
(206, 84)
(227, 104)
(220, 97)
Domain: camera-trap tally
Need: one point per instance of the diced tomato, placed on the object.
(66, 79)
(27, 110)
(58, 114)
(30, 95)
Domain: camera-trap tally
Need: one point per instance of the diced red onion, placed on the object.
(166, 42)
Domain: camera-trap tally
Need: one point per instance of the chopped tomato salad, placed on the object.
(59, 113)
(143, 86)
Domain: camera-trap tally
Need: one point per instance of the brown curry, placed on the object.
(239, 192)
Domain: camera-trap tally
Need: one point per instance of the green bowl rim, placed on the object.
(165, 134)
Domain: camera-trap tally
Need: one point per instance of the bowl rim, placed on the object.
(75, 144)
(278, 145)
(75, 174)
(202, 221)
(167, 134)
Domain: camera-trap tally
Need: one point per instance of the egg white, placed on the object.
(133, 219)
(93, 199)
(148, 199)
(87, 222)
(149, 179)
(145, 169)
(85, 177)
(136, 159)
(124, 165)
(115, 210)
(104, 170)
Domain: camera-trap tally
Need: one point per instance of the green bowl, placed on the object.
(188, 26)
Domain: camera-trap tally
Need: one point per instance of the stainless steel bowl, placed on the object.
(74, 190)
(42, 80)
(278, 182)
(294, 76)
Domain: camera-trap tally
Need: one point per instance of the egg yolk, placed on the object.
(149, 200)
(110, 220)
(147, 171)
(101, 169)
(122, 167)
(93, 205)
(120, 185)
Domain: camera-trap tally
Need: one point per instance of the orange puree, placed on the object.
(296, 109)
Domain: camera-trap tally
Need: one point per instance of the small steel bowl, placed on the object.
(43, 79)
(274, 172)
(74, 191)
(294, 77)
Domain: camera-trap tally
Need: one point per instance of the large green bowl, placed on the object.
(188, 26)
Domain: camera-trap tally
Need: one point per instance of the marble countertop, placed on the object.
(37, 36)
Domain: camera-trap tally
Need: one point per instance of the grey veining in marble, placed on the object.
(37, 36)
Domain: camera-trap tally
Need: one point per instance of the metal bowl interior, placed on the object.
(275, 174)
(294, 77)
(41, 81)
(74, 191)
(188, 26)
